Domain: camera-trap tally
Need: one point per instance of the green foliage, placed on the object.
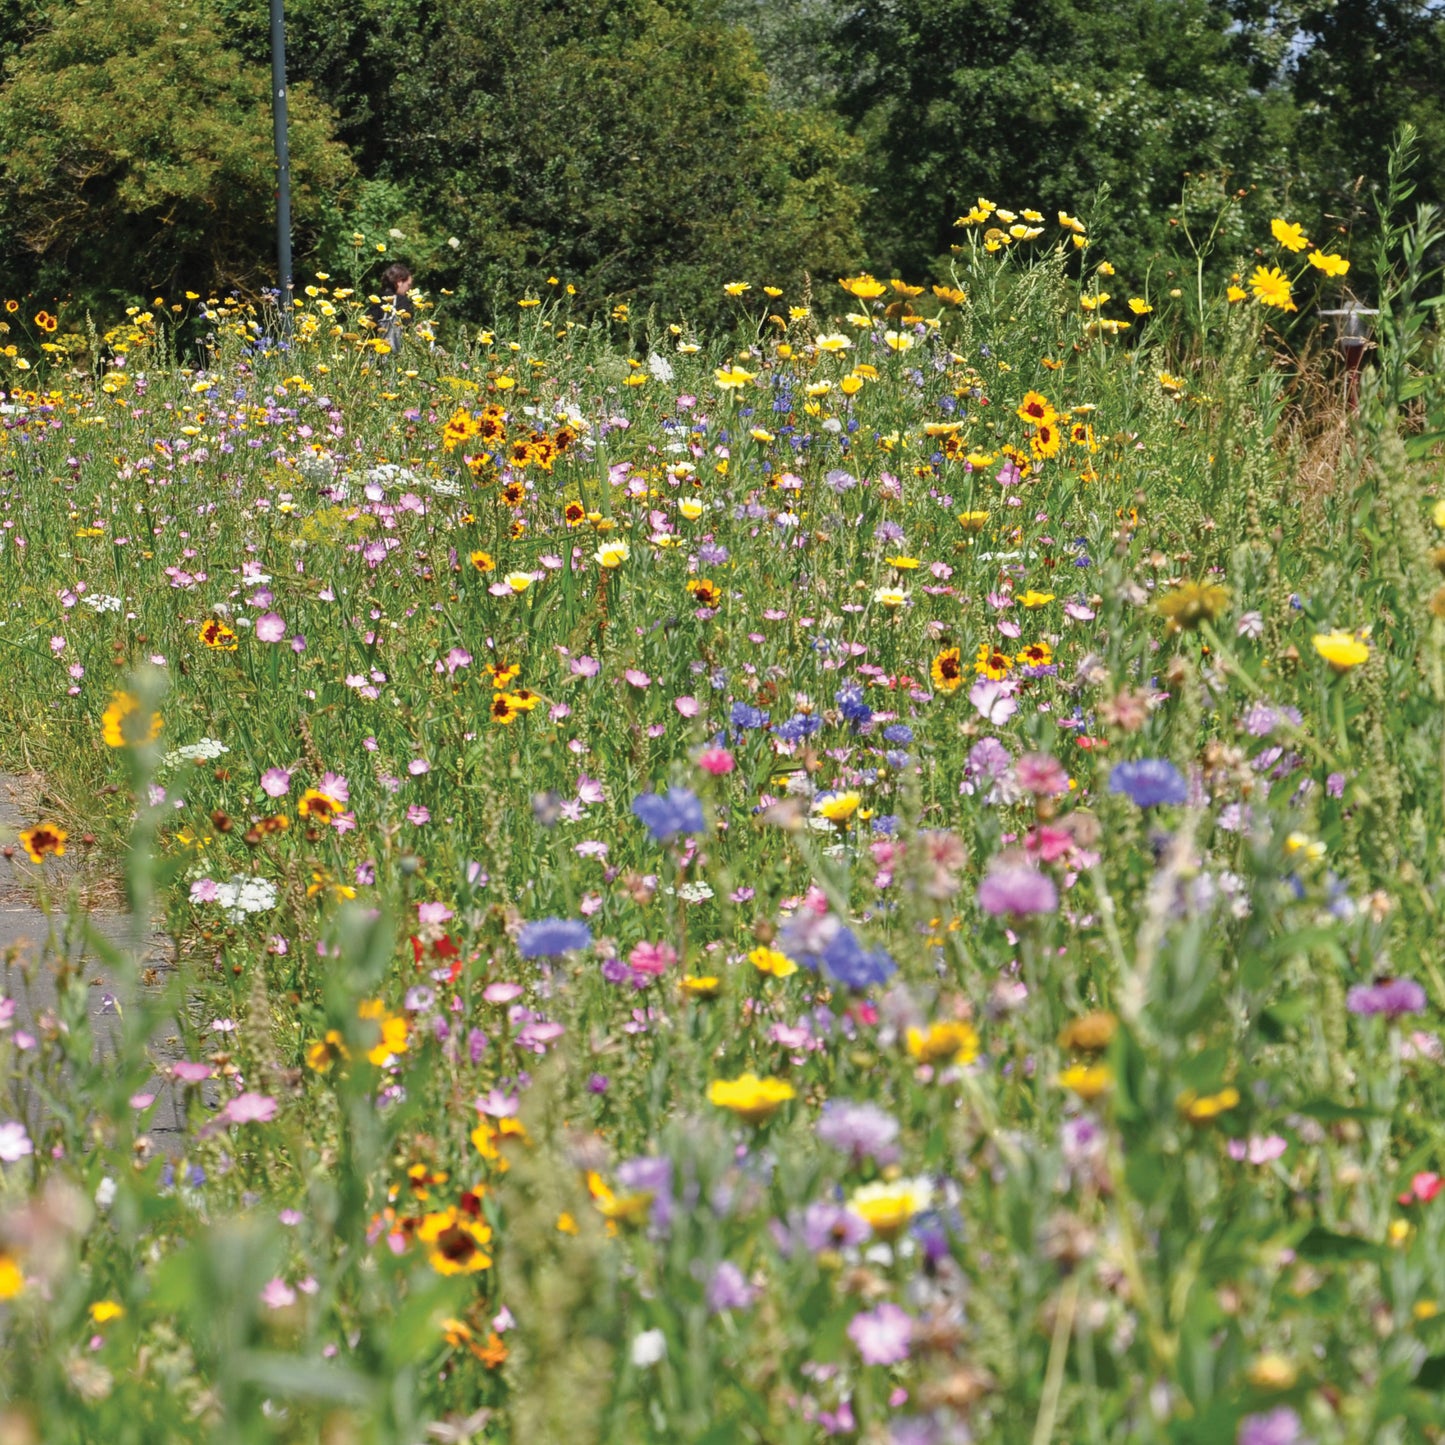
(135, 152)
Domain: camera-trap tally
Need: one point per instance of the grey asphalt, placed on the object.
(33, 946)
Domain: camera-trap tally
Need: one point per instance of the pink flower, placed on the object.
(270, 627)
(190, 1072)
(651, 959)
(994, 700)
(250, 1108)
(204, 890)
(637, 678)
(433, 912)
(687, 705)
(335, 786)
(716, 761)
(417, 766)
(585, 666)
(589, 790)
(277, 1295)
(275, 782)
(502, 992)
(418, 814)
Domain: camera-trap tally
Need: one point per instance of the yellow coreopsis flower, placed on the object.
(864, 287)
(1034, 599)
(736, 288)
(1342, 650)
(730, 378)
(1329, 263)
(1088, 1081)
(772, 962)
(1290, 236)
(948, 1041)
(1139, 306)
(750, 1097)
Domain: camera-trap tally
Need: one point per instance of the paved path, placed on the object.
(25, 931)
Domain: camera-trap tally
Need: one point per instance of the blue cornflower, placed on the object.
(668, 815)
(886, 824)
(1149, 782)
(849, 699)
(898, 733)
(797, 727)
(745, 715)
(552, 937)
(852, 965)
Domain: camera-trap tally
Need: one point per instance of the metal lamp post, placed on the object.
(1353, 327)
(285, 279)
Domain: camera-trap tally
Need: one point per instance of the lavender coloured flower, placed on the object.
(1390, 996)
(988, 760)
(552, 937)
(650, 1175)
(882, 1334)
(728, 1289)
(861, 1130)
(669, 815)
(1149, 782)
(1017, 889)
(1280, 1426)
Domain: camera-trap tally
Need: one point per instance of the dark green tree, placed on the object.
(135, 152)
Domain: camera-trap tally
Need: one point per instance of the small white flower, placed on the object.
(648, 1349)
(660, 367)
(455, 244)
(99, 602)
(105, 1193)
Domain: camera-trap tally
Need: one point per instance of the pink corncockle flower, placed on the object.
(250, 1108)
(433, 913)
(335, 786)
(497, 1104)
(417, 766)
(589, 790)
(651, 959)
(276, 782)
(1079, 611)
(1258, 1149)
(585, 666)
(418, 815)
(190, 1072)
(716, 761)
(994, 700)
(270, 627)
(637, 677)
(687, 705)
(502, 992)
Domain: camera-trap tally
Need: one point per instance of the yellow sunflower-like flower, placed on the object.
(750, 1097)
(455, 1242)
(123, 726)
(1342, 650)
(1271, 288)
(1289, 235)
(772, 962)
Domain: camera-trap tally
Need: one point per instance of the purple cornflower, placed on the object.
(649, 1175)
(1017, 888)
(863, 1131)
(1389, 996)
(744, 715)
(552, 937)
(988, 760)
(728, 1290)
(1280, 1426)
(1149, 782)
(882, 1334)
(832, 1226)
(666, 815)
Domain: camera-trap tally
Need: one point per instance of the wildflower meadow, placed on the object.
(871, 873)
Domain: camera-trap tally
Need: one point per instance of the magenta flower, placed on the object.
(418, 814)
(190, 1072)
(585, 666)
(687, 705)
(433, 912)
(205, 890)
(651, 959)
(716, 761)
(270, 627)
(1041, 775)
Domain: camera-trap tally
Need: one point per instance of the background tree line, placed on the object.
(646, 150)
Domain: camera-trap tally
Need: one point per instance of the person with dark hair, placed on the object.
(391, 311)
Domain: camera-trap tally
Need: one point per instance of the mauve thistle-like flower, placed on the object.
(1392, 997)
(860, 1130)
(882, 1335)
(1041, 775)
(827, 1225)
(728, 1289)
(1017, 889)
(1280, 1426)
